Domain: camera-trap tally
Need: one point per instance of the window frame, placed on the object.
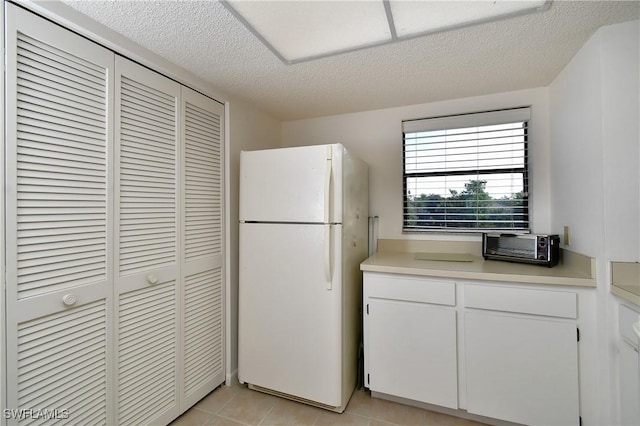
(525, 170)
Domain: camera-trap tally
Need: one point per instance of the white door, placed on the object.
(412, 351)
(629, 372)
(300, 185)
(58, 273)
(522, 369)
(146, 245)
(629, 385)
(289, 313)
(202, 260)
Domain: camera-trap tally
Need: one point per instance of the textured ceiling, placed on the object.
(205, 39)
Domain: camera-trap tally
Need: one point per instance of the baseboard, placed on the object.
(463, 414)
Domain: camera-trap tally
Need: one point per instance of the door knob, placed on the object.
(69, 299)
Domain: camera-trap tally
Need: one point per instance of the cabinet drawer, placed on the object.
(562, 304)
(409, 288)
(626, 318)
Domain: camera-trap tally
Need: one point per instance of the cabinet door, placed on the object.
(202, 260)
(412, 351)
(629, 385)
(147, 220)
(58, 178)
(521, 369)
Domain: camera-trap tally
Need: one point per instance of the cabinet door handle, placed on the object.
(152, 279)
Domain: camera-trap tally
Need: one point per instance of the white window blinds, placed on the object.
(466, 172)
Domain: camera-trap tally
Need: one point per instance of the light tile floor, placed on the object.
(238, 405)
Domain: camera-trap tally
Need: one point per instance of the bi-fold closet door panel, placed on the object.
(58, 229)
(202, 258)
(147, 218)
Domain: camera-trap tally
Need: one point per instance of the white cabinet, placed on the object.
(524, 370)
(412, 351)
(410, 338)
(629, 385)
(629, 367)
(514, 357)
(114, 299)
(521, 368)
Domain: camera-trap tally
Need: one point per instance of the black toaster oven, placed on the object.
(540, 249)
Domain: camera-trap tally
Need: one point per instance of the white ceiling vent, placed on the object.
(303, 30)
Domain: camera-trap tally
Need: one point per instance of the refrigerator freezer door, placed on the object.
(292, 185)
(290, 323)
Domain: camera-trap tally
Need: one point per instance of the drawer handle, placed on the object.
(152, 279)
(69, 299)
(636, 328)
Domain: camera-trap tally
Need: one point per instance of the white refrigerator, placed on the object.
(303, 234)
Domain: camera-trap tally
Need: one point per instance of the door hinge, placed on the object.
(578, 334)
(368, 379)
(367, 309)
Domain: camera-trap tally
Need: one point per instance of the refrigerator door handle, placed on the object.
(327, 187)
(327, 255)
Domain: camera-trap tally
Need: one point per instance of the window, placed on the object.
(467, 172)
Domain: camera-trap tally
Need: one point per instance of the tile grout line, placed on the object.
(225, 404)
(267, 413)
(219, 410)
(315, 421)
(233, 420)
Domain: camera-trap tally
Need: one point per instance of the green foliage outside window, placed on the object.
(471, 208)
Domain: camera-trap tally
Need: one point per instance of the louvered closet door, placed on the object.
(59, 294)
(147, 218)
(202, 261)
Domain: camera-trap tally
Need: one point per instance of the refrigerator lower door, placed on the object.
(289, 331)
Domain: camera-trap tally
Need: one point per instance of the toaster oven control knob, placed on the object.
(542, 256)
(542, 242)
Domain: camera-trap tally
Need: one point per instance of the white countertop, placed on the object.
(571, 273)
(625, 280)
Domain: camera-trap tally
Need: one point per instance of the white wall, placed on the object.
(576, 198)
(248, 129)
(595, 145)
(376, 137)
(620, 67)
(576, 151)
(620, 64)
(595, 163)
